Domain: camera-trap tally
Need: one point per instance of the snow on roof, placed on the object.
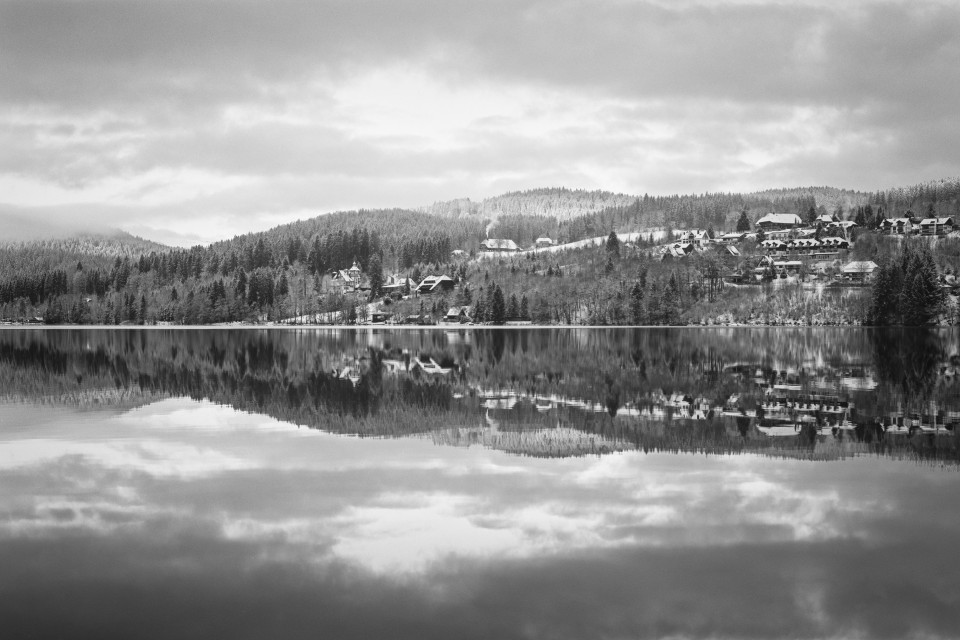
(860, 267)
(780, 218)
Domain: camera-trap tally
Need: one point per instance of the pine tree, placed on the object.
(613, 245)
(498, 310)
(743, 223)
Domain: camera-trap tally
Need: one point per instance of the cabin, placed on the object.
(859, 271)
(435, 284)
(458, 314)
(775, 221)
(499, 244)
(936, 226)
(379, 317)
(544, 242)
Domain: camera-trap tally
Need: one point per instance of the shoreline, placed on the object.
(439, 327)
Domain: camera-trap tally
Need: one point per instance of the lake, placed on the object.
(488, 483)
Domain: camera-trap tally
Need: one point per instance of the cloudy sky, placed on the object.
(190, 121)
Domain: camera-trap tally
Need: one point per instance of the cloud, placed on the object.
(247, 114)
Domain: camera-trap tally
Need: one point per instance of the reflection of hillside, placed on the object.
(810, 394)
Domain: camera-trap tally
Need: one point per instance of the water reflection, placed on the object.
(197, 484)
(810, 393)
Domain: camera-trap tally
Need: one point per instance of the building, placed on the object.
(435, 284)
(498, 244)
(773, 221)
(859, 271)
(544, 242)
(732, 237)
(936, 226)
(458, 314)
(348, 280)
(897, 226)
(398, 284)
(677, 250)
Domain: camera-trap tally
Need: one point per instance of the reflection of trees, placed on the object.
(635, 389)
(908, 362)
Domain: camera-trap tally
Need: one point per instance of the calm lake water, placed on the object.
(562, 483)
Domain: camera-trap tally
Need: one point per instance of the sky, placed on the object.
(191, 121)
(182, 518)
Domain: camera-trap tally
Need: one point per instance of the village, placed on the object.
(781, 250)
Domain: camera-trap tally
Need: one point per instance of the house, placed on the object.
(677, 250)
(859, 271)
(349, 279)
(544, 242)
(379, 317)
(435, 284)
(835, 243)
(773, 221)
(458, 314)
(398, 284)
(936, 226)
(498, 244)
(732, 237)
(825, 219)
(843, 225)
(897, 226)
(804, 244)
(698, 237)
(774, 245)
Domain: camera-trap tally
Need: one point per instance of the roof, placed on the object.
(430, 283)
(780, 218)
(936, 221)
(544, 239)
(860, 267)
(456, 311)
(499, 244)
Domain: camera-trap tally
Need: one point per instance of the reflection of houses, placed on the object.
(498, 244)
(428, 365)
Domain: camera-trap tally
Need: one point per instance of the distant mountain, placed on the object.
(94, 249)
(560, 203)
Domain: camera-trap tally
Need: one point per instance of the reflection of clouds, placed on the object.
(399, 537)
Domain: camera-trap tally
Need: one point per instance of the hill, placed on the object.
(560, 203)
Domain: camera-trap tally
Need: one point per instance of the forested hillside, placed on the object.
(287, 271)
